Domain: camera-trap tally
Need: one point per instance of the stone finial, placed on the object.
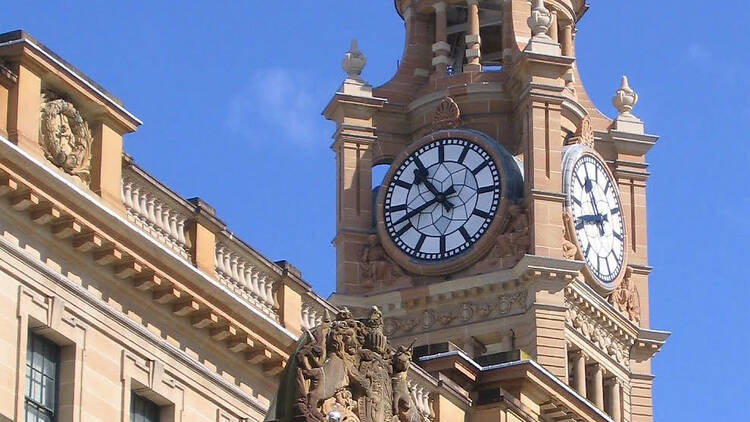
(540, 19)
(624, 101)
(354, 61)
(625, 98)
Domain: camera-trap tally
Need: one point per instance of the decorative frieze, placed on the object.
(246, 278)
(595, 326)
(459, 314)
(65, 136)
(156, 215)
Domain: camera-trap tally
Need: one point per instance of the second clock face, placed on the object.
(441, 199)
(597, 218)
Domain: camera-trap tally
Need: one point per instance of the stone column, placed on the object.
(440, 49)
(613, 397)
(473, 42)
(579, 372)
(597, 386)
(552, 32)
(567, 40)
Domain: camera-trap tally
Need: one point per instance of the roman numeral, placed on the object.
(397, 208)
(442, 245)
(479, 168)
(588, 248)
(403, 184)
(441, 153)
(420, 242)
(485, 189)
(614, 210)
(404, 229)
(464, 233)
(480, 213)
(606, 188)
(463, 154)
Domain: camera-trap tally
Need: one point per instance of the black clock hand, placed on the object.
(415, 211)
(588, 187)
(421, 176)
(443, 198)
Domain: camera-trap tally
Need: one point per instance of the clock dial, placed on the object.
(597, 217)
(441, 199)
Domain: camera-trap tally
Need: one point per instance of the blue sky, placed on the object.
(231, 95)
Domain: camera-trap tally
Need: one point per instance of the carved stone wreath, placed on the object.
(65, 136)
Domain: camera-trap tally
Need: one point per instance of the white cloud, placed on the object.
(276, 102)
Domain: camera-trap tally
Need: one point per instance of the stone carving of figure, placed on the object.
(625, 298)
(345, 369)
(375, 265)
(514, 242)
(568, 246)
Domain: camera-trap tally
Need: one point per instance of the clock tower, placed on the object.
(511, 223)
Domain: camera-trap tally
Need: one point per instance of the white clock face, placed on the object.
(597, 218)
(441, 199)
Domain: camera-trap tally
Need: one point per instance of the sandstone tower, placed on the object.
(511, 224)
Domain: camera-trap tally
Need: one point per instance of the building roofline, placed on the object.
(22, 37)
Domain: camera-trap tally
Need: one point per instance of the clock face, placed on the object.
(441, 199)
(597, 218)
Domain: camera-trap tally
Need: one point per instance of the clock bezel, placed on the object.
(571, 155)
(511, 191)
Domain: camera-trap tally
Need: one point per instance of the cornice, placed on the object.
(151, 338)
(44, 57)
(92, 232)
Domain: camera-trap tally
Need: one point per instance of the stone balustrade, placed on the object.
(423, 389)
(247, 276)
(153, 211)
(314, 310)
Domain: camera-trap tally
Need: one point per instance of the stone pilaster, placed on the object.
(473, 41)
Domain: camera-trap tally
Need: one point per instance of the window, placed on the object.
(143, 409)
(42, 367)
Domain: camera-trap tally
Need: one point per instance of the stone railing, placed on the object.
(314, 309)
(154, 211)
(247, 276)
(423, 389)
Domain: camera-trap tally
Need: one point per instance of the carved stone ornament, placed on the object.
(569, 246)
(461, 313)
(584, 134)
(591, 327)
(376, 267)
(540, 19)
(344, 370)
(65, 137)
(625, 298)
(513, 242)
(446, 115)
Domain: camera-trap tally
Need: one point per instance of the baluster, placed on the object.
(234, 276)
(228, 263)
(139, 204)
(255, 286)
(181, 230)
(305, 315)
(127, 194)
(159, 223)
(241, 277)
(249, 289)
(219, 258)
(150, 218)
(271, 295)
(262, 289)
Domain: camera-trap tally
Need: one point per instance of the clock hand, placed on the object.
(415, 211)
(588, 186)
(443, 198)
(421, 176)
